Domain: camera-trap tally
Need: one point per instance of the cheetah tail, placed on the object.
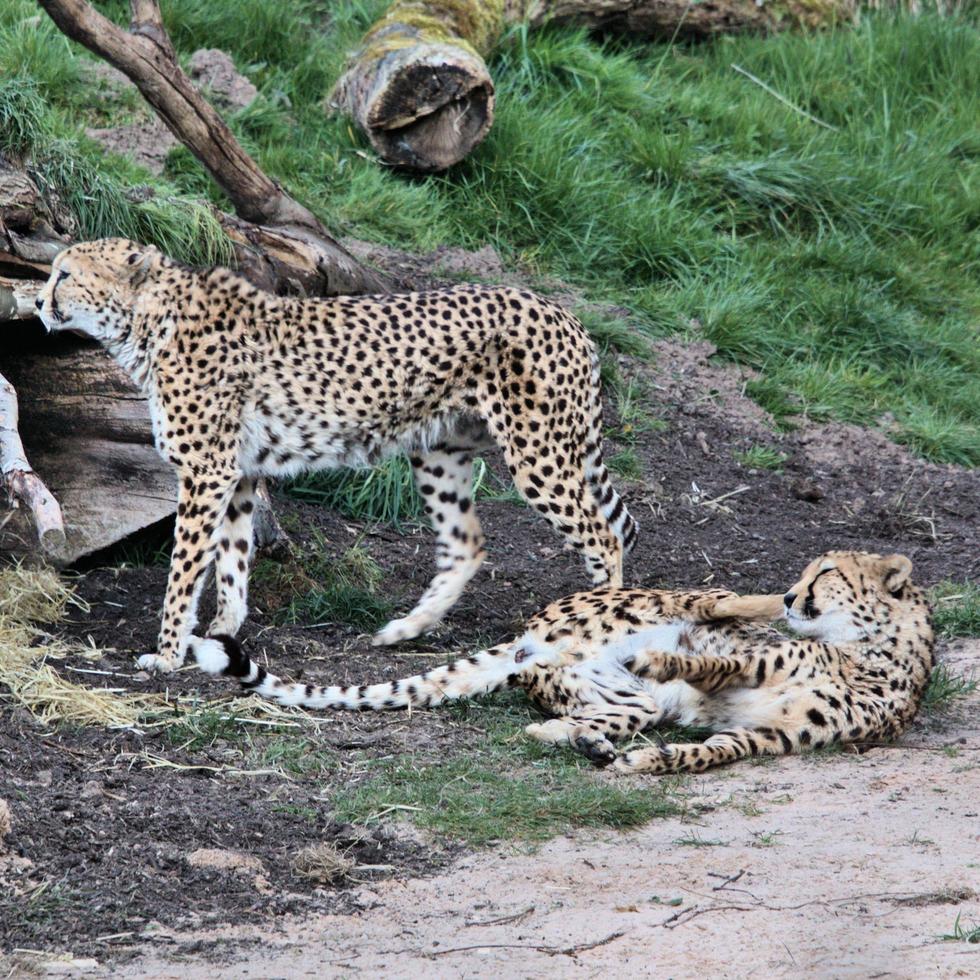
(621, 521)
(487, 671)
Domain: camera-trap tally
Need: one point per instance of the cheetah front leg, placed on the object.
(201, 504)
(704, 671)
(722, 747)
(234, 549)
(444, 478)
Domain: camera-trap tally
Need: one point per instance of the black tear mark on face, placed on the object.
(809, 609)
(55, 312)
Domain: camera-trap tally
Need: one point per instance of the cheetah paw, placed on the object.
(400, 629)
(154, 663)
(600, 750)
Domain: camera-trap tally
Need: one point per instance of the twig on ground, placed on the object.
(727, 879)
(502, 920)
(550, 950)
(782, 98)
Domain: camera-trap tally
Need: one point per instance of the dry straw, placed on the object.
(30, 597)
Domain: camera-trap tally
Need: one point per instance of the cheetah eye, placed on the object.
(62, 276)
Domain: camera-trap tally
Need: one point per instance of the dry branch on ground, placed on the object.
(20, 482)
(671, 19)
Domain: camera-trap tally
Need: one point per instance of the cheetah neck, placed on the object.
(900, 648)
(135, 346)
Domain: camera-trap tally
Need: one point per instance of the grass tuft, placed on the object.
(314, 588)
(762, 458)
(945, 688)
(385, 494)
(961, 933)
(324, 863)
(514, 789)
(956, 609)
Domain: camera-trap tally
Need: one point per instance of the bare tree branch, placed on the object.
(21, 482)
(146, 55)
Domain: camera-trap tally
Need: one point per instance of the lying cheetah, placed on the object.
(612, 662)
(243, 384)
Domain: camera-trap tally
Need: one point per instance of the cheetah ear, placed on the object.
(139, 265)
(895, 571)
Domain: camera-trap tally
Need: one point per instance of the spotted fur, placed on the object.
(243, 384)
(612, 662)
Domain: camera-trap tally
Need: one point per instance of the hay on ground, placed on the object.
(324, 862)
(39, 596)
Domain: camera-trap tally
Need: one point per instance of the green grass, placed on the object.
(761, 458)
(696, 840)
(841, 264)
(944, 688)
(513, 788)
(386, 493)
(315, 588)
(962, 934)
(626, 464)
(956, 609)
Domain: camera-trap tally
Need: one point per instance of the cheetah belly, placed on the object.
(271, 446)
(572, 648)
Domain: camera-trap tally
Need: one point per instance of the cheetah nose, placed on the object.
(789, 599)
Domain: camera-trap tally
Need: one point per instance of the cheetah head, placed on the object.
(94, 286)
(843, 595)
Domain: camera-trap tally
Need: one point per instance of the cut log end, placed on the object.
(431, 118)
(419, 90)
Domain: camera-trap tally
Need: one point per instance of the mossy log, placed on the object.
(418, 86)
(669, 19)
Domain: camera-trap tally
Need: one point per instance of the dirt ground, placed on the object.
(851, 865)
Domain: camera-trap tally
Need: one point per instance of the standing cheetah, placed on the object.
(243, 384)
(609, 663)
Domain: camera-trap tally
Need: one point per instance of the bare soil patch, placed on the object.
(842, 865)
(99, 858)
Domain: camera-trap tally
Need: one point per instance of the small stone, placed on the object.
(214, 70)
(364, 898)
(804, 489)
(6, 822)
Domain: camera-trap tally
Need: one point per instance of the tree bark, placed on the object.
(302, 256)
(418, 86)
(669, 19)
(21, 483)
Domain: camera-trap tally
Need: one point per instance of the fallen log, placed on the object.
(86, 431)
(146, 56)
(667, 20)
(418, 86)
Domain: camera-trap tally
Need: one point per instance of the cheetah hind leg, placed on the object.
(590, 729)
(444, 478)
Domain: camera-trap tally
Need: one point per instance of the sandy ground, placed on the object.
(846, 865)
